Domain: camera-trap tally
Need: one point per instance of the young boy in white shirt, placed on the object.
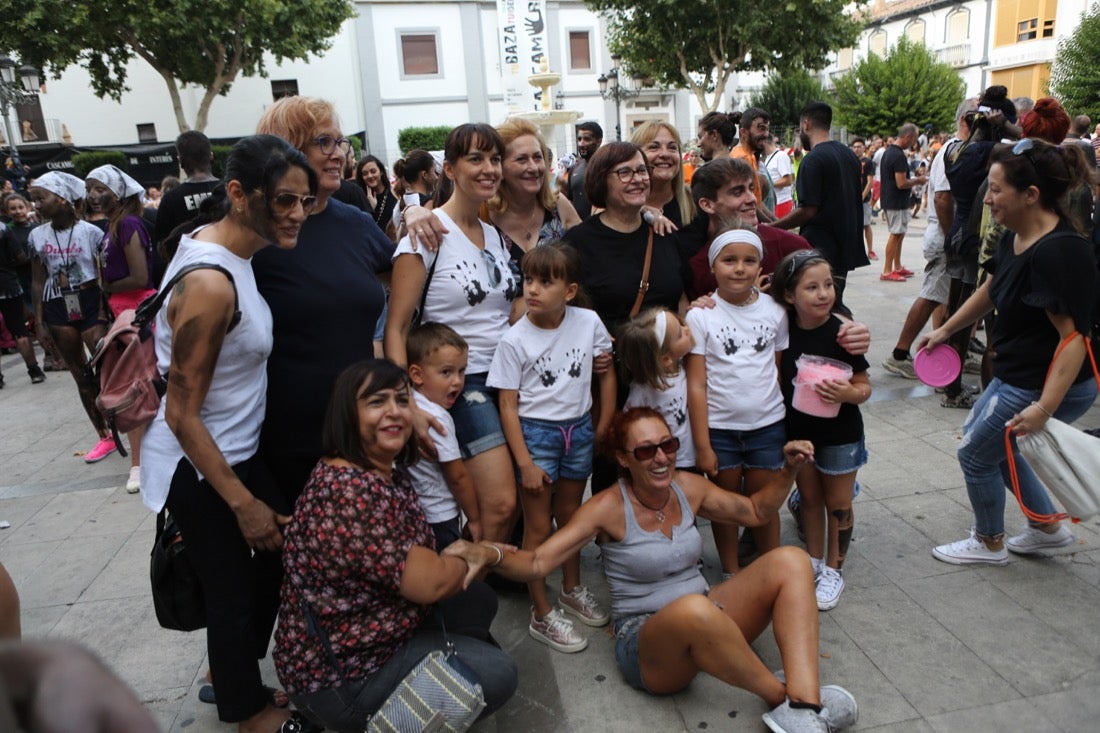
(437, 369)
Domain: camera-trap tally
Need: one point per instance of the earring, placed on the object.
(240, 209)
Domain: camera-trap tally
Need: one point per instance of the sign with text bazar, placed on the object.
(522, 35)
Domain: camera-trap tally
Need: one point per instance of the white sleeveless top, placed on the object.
(234, 406)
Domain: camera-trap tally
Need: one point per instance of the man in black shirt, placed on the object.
(181, 204)
(589, 139)
(830, 194)
(896, 185)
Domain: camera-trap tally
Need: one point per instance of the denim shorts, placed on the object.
(627, 630)
(477, 422)
(759, 448)
(561, 448)
(836, 460)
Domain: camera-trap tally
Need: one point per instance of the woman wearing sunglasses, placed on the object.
(669, 624)
(468, 285)
(325, 296)
(1042, 283)
(213, 337)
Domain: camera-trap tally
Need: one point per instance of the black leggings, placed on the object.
(241, 587)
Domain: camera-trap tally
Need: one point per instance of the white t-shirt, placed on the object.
(462, 293)
(551, 368)
(73, 251)
(877, 160)
(435, 495)
(778, 165)
(937, 182)
(740, 343)
(672, 404)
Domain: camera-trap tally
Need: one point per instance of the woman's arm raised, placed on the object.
(750, 511)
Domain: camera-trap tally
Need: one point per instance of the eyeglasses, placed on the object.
(646, 452)
(626, 174)
(493, 268)
(328, 143)
(284, 203)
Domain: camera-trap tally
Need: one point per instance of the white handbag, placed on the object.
(1065, 459)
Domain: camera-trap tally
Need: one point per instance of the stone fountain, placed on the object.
(547, 118)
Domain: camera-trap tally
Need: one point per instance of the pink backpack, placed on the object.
(125, 360)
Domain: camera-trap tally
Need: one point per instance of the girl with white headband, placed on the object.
(734, 403)
(651, 348)
(127, 259)
(67, 297)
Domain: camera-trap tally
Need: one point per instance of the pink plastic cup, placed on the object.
(812, 371)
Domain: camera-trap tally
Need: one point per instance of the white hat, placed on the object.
(115, 179)
(65, 185)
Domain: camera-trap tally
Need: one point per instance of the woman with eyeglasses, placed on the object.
(670, 624)
(615, 246)
(326, 295)
(1043, 285)
(213, 338)
(468, 285)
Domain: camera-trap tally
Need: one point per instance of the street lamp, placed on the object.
(11, 95)
(610, 88)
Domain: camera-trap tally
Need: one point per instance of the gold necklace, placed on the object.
(659, 511)
(538, 217)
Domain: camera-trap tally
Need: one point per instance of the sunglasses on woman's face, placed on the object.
(647, 451)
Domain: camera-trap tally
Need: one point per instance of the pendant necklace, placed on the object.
(659, 511)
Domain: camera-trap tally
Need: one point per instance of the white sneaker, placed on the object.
(1033, 541)
(133, 482)
(557, 632)
(785, 719)
(828, 587)
(971, 551)
(582, 604)
(839, 707)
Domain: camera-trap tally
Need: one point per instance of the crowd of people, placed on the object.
(391, 391)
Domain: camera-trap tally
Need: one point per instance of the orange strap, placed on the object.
(1013, 476)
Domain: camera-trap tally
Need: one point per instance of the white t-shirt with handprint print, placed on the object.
(672, 404)
(740, 344)
(471, 289)
(551, 368)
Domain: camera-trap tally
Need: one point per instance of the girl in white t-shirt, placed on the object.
(543, 369)
(734, 402)
(651, 347)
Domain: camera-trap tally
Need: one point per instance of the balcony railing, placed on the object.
(956, 56)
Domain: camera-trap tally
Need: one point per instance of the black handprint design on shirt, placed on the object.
(726, 338)
(763, 336)
(467, 279)
(679, 411)
(575, 357)
(545, 372)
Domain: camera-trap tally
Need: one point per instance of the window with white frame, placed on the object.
(580, 50)
(419, 53)
(876, 44)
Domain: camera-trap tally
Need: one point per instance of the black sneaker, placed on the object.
(976, 347)
(36, 375)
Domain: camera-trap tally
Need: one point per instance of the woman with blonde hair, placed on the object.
(525, 209)
(667, 193)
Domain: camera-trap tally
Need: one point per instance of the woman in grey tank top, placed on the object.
(668, 625)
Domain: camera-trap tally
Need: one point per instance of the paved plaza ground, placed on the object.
(922, 645)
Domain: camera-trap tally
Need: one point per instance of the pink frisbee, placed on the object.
(938, 367)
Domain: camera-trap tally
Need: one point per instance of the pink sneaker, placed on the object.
(105, 447)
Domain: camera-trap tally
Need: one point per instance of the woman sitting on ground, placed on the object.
(362, 571)
(669, 624)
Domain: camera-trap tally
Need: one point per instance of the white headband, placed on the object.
(122, 185)
(734, 236)
(65, 185)
(660, 325)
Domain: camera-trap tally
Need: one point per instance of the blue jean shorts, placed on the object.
(837, 460)
(759, 448)
(627, 630)
(561, 448)
(477, 421)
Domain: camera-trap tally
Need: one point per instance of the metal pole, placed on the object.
(5, 109)
(618, 117)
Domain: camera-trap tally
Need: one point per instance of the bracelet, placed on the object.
(411, 199)
(500, 556)
(1042, 409)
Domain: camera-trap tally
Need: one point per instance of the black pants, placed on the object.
(241, 587)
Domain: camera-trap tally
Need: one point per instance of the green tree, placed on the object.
(784, 96)
(1075, 78)
(907, 85)
(700, 43)
(207, 43)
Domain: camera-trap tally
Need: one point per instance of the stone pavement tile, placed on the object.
(23, 560)
(126, 575)
(876, 430)
(69, 569)
(18, 512)
(1085, 566)
(915, 725)
(1072, 710)
(60, 516)
(889, 542)
(119, 513)
(710, 704)
(940, 516)
(931, 669)
(39, 622)
(1010, 715)
(1024, 650)
(1054, 597)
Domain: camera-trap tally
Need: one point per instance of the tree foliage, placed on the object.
(700, 43)
(1075, 78)
(784, 96)
(207, 43)
(907, 85)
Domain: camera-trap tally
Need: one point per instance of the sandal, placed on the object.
(298, 724)
(276, 697)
